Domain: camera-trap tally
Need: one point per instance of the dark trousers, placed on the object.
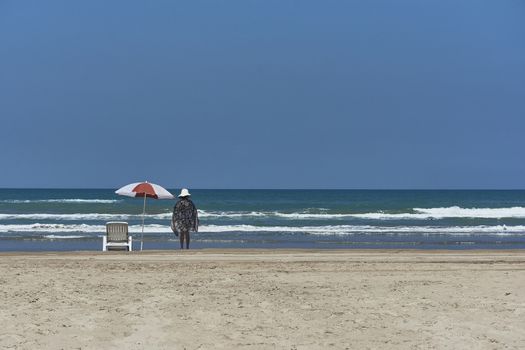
(184, 236)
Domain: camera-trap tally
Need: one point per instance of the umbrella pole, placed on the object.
(143, 214)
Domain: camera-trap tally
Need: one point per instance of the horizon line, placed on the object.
(278, 189)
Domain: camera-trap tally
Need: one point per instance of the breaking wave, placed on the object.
(363, 229)
(316, 230)
(80, 216)
(413, 214)
(63, 237)
(458, 212)
(73, 200)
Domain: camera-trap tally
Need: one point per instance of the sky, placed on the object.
(373, 94)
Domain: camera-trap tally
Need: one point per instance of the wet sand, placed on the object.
(263, 299)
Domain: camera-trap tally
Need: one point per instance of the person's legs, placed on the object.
(188, 240)
(181, 239)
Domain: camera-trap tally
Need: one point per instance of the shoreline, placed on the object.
(327, 251)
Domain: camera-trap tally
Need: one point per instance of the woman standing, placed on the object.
(184, 218)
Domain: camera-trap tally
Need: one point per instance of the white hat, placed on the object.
(184, 193)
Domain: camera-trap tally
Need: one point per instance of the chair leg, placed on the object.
(104, 243)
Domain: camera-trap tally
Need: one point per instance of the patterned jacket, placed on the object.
(185, 216)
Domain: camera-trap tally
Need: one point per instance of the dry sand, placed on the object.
(263, 300)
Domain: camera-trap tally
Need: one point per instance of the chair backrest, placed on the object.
(117, 231)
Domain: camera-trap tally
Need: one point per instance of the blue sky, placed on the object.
(263, 94)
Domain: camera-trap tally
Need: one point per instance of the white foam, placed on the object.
(81, 216)
(458, 212)
(258, 214)
(449, 212)
(52, 228)
(37, 227)
(355, 229)
(84, 228)
(416, 214)
(312, 216)
(68, 200)
(63, 237)
(290, 216)
(317, 230)
(231, 214)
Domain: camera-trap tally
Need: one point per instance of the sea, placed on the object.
(74, 219)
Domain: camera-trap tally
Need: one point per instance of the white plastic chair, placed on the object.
(117, 237)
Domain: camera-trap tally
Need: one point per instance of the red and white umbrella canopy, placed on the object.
(144, 189)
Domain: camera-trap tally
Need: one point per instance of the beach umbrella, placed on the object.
(144, 189)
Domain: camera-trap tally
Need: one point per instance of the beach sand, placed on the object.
(261, 299)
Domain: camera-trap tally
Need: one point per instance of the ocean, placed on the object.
(74, 219)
